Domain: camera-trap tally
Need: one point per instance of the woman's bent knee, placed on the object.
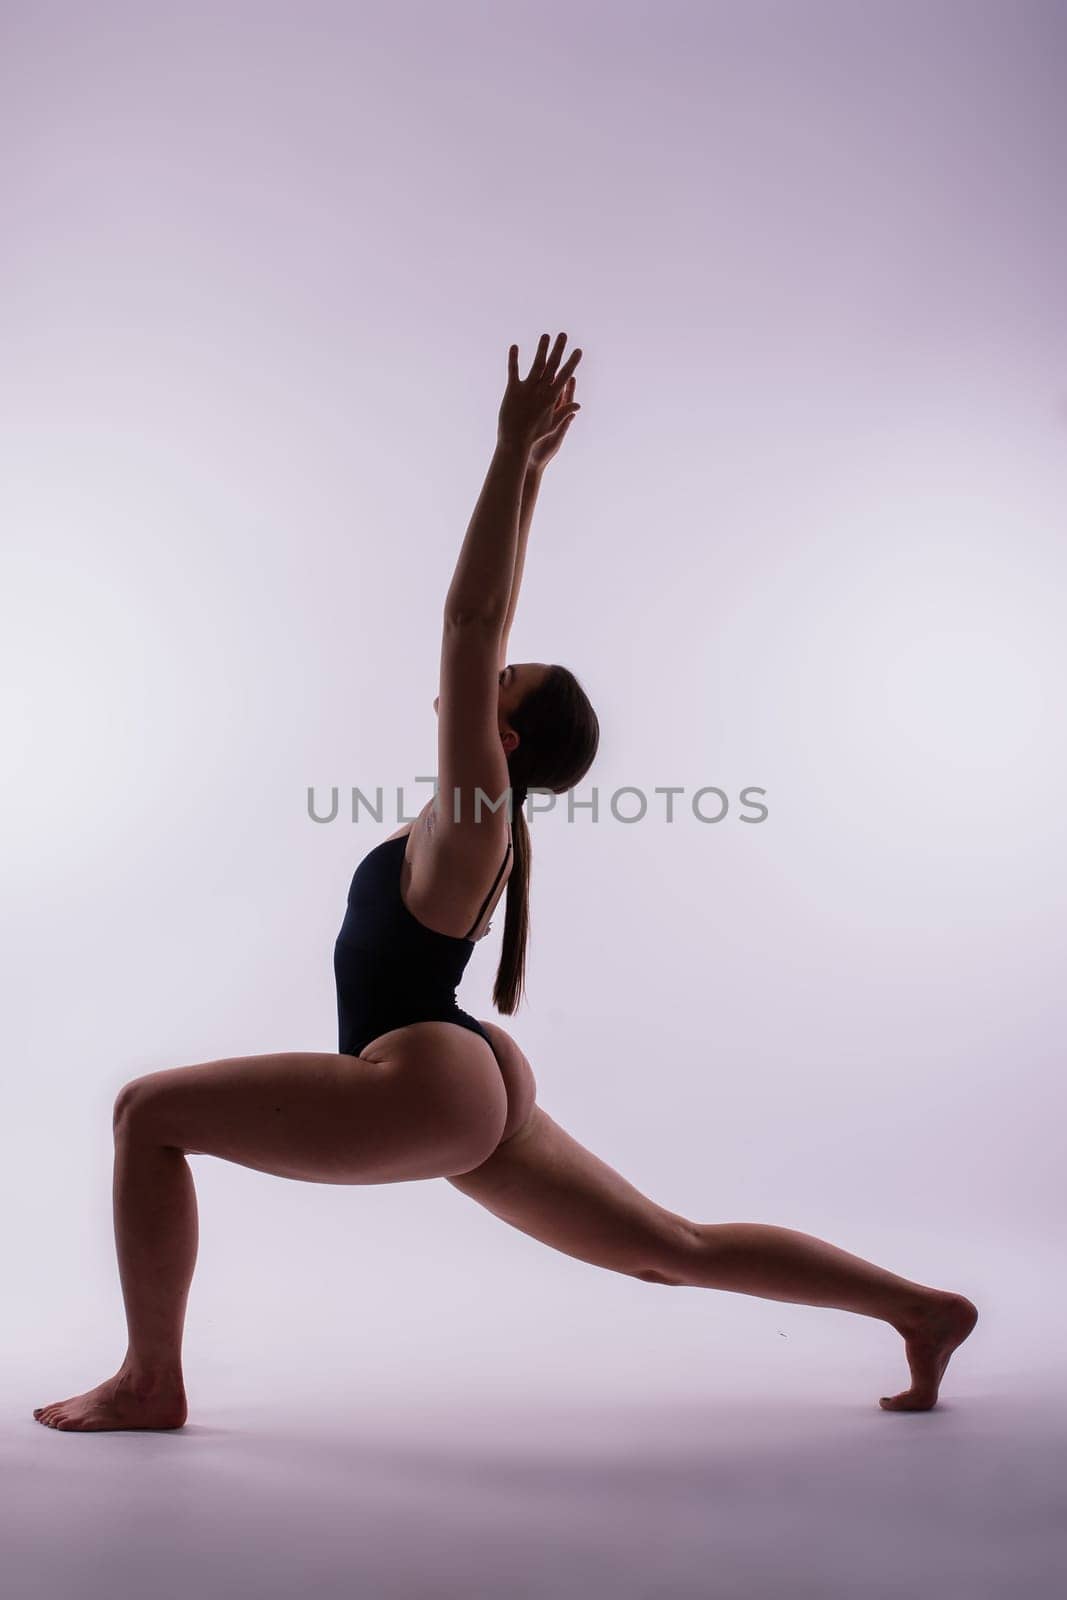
(134, 1103)
(129, 1096)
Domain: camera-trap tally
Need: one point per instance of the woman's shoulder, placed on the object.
(447, 881)
(402, 833)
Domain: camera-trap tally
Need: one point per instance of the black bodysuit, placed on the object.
(390, 968)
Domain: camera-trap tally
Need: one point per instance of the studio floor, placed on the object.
(821, 1495)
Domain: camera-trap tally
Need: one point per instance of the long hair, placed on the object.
(558, 738)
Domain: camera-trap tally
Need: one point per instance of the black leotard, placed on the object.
(390, 968)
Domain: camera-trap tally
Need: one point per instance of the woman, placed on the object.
(420, 1089)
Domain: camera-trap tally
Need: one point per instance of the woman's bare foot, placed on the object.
(929, 1339)
(121, 1402)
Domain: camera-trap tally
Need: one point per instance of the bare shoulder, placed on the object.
(448, 872)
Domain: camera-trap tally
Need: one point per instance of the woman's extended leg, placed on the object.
(548, 1185)
(422, 1101)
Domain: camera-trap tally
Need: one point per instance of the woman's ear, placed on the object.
(509, 739)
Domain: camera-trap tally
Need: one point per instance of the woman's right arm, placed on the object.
(470, 754)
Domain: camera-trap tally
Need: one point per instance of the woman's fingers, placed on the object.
(545, 366)
(549, 373)
(531, 406)
(537, 370)
(569, 366)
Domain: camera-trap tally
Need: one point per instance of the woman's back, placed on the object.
(390, 968)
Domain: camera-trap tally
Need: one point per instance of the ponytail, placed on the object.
(511, 972)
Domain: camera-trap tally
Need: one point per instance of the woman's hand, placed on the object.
(547, 443)
(530, 407)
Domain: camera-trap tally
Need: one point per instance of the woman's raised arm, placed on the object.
(483, 581)
(542, 450)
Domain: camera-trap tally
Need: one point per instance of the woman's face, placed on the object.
(514, 681)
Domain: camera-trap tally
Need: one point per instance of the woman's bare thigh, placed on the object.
(548, 1185)
(423, 1101)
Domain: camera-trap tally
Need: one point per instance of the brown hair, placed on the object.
(558, 737)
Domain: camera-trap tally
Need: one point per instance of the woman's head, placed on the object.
(550, 735)
(548, 727)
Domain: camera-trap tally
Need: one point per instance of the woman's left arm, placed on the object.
(542, 450)
(530, 485)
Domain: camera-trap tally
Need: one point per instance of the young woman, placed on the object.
(420, 1089)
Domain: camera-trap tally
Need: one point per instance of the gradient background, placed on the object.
(262, 266)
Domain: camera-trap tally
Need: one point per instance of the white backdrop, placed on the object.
(263, 267)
